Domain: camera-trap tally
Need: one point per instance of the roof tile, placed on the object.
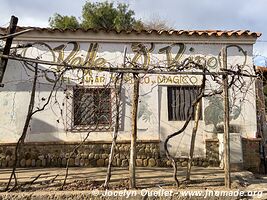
(217, 33)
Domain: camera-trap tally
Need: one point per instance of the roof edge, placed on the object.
(207, 33)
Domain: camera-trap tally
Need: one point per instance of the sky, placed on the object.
(179, 14)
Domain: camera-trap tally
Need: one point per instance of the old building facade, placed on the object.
(84, 100)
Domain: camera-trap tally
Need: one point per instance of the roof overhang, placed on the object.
(175, 36)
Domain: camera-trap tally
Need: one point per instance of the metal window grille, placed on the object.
(90, 109)
(180, 99)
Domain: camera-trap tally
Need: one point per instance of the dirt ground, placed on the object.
(89, 180)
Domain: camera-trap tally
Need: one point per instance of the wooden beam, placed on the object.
(132, 179)
(193, 139)
(3, 61)
(12, 35)
(226, 141)
(117, 123)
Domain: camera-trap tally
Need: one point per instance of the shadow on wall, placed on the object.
(163, 135)
(38, 126)
(41, 131)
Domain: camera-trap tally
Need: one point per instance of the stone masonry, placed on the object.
(95, 154)
(251, 154)
(212, 152)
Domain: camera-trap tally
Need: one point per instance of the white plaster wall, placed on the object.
(14, 99)
(180, 144)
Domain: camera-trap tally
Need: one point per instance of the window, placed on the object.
(91, 108)
(180, 99)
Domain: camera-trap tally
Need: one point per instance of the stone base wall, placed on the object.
(212, 152)
(198, 161)
(251, 154)
(91, 154)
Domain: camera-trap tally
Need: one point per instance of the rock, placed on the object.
(22, 162)
(8, 152)
(211, 162)
(41, 157)
(114, 162)
(63, 162)
(10, 163)
(143, 156)
(154, 151)
(118, 162)
(147, 150)
(91, 156)
(86, 162)
(178, 163)
(4, 163)
(169, 163)
(117, 155)
(145, 162)
(43, 162)
(27, 155)
(141, 151)
(105, 146)
(124, 163)
(184, 164)
(205, 164)
(122, 156)
(53, 162)
(121, 149)
(104, 156)
(77, 161)
(82, 161)
(106, 161)
(59, 161)
(139, 162)
(8, 158)
(157, 155)
(38, 163)
(71, 162)
(84, 156)
(92, 163)
(151, 162)
(96, 156)
(126, 148)
(33, 164)
(34, 155)
(217, 163)
(100, 162)
(236, 184)
(48, 161)
(62, 155)
(158, 162)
